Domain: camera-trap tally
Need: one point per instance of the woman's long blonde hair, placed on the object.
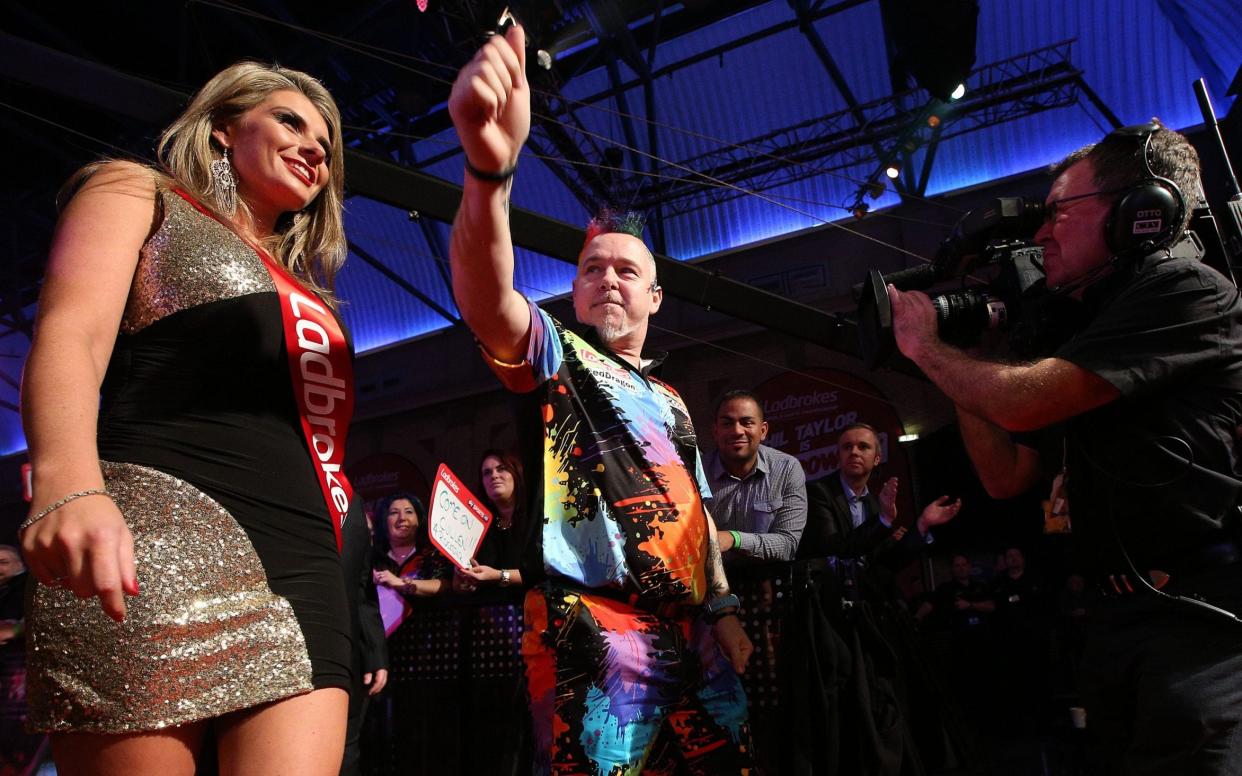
(310, 242)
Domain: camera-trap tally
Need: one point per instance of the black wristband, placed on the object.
(711, 618)
(490, 177)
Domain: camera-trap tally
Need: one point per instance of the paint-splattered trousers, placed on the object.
(616, 690)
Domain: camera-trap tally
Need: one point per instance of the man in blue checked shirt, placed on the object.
(758, 493)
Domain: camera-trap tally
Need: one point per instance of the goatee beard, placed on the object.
(610, 332)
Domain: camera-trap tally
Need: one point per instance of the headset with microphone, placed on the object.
(1147, 216)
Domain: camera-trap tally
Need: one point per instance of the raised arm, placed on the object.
(85, 544)
(490, 107)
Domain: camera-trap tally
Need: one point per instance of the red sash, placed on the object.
(323, 379)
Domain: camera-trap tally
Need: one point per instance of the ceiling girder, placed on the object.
(1017, 87)
(401, 282)
(413, 190)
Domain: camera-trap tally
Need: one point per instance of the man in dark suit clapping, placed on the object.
(846, 519)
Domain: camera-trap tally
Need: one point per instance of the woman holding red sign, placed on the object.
(186, 402)
(500, 556)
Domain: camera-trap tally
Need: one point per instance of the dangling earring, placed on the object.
(224, 183)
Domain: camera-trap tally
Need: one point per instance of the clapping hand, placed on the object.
(938, 512)
(888, 499)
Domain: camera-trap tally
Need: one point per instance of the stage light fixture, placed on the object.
(860, 210)
(893, 170)
(957, 93)
(934, 42)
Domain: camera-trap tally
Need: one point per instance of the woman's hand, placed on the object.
(85, 546)
(468, 580)
(388, 579)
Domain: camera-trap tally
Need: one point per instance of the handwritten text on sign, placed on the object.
(458, 520)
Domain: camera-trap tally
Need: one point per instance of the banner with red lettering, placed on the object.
(806, 412)
(457, 521)
(322, 372)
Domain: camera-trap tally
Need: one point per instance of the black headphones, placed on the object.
(1148, 215)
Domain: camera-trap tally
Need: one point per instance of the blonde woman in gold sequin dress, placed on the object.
(202, 588)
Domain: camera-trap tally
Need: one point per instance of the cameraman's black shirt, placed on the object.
(1158, 465)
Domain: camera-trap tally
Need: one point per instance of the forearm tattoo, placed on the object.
(717, 584)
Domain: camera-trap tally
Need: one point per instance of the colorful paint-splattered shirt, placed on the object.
(622, 483)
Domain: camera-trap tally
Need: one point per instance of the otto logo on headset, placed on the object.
(1149, 214)
(1148, 222)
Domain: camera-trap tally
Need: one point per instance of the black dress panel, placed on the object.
(242, 601)
(205, 395)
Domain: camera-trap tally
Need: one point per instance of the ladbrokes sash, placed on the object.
(323, 380)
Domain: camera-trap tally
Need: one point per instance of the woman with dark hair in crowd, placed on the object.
(165, 408)
(405, 559)
(499, 559)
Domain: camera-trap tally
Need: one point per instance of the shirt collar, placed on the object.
(650, 362)
(718, 471)
(849, 492)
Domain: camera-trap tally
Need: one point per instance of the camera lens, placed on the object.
(963, 315)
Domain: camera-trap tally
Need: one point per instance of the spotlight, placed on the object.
(860, 210)
(957, 93)
(933, 121)
(908, 438)
(893, 170)
(934, 42)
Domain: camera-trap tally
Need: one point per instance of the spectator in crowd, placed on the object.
(1023, 627)
(1074, 606)
(370, 649)
(1020, 597)
(497, 566)
(963, 606)
(17, 747)
(499, 559)
(999, 567)
(847, 520)
(405, 559)
(963, 602)
(758, 493)
(12, 591)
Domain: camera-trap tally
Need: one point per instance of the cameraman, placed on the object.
(1149, 395)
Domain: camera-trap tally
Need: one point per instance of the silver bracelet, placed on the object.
(57, 505)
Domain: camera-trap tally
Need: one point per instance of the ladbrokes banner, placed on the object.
(806, 412)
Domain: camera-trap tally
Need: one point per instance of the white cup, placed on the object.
(1078, 717)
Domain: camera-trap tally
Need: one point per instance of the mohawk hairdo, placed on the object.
(631, 222)
(608, 221)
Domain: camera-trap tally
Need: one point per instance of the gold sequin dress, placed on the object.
(242, 600)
